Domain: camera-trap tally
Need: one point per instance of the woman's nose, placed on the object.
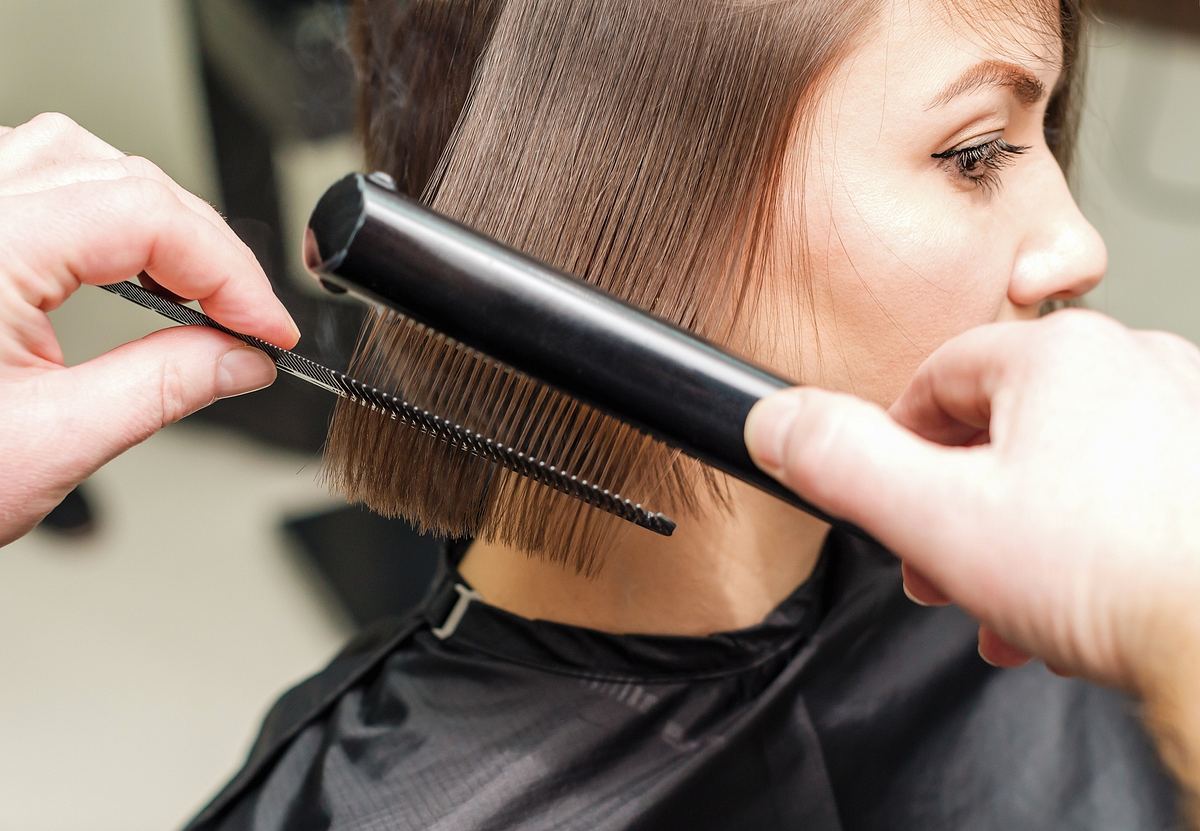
(1062, 256)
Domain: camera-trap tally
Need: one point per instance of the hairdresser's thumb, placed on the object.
(848, 457)
(126, 395)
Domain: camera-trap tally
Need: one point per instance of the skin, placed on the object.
(903, 252)
(74, 210)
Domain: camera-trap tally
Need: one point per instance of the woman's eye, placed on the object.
(980, 164)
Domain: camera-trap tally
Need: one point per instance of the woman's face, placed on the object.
(929, 199)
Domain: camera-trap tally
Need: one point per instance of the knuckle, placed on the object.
(809, 451)
(44, 134)
(1084, 322)
(1171, 344)
(53, 125)
(1166, 340)
(1066, 322)
(145, 196)
(172, 393)
(1074, 334)
(142, 167)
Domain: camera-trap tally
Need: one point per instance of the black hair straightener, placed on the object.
(367, 239)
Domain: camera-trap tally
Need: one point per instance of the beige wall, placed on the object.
(1140, 175)
(123, 68)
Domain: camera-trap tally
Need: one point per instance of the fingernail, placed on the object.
(242, 370)
(985, 658)
(912, 597)
(767, 429)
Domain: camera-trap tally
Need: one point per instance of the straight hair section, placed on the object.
(637, 144)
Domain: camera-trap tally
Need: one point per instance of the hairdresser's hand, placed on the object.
(1071, 529)
(74, 210)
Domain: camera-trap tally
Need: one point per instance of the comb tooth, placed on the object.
(453, 434)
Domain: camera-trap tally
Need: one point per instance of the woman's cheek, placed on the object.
(892, 299)
(897, 266)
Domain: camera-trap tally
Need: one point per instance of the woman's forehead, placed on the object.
(917, 39)
(1023, 31)
(922, 53)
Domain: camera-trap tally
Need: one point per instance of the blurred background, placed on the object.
(146, 628)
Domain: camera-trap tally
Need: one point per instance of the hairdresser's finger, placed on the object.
(53, 151)
(849, 458)
(112, 169)
(101, 232)
(949, 399)
(1172, 348)
(47, 139)
(919, 588)
(998, 652)
(129, 393)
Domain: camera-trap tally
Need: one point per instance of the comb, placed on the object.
(395, 406)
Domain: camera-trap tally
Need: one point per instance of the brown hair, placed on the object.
(634, 143)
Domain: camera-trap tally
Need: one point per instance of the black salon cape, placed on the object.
(848, 708)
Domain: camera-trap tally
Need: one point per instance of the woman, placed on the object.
(834, 188)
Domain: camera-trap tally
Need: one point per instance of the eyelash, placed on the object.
(981, 164)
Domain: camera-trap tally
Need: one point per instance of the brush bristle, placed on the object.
(399, 472)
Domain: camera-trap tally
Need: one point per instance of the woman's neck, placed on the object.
(713, 575)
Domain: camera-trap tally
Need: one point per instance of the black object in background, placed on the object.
(276, 73)
(74, 516)
(375, 567)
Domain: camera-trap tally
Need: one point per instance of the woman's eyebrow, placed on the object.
(1024, 84)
